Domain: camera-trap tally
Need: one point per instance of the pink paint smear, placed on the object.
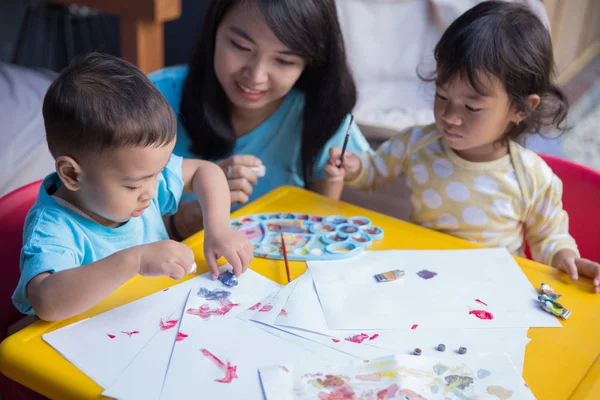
(361, 338)
(167, 325)
(255, 307)
(482, 314)
(283, 313)
(336, 340)
(388, 393)
(220, 296)
(230, 370)
(180, 336)
(111, 336)
(266, 308)
(130, 333)
(165, 289)
(414, 326)
(479, 301)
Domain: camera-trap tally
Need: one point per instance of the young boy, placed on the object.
(98, 221)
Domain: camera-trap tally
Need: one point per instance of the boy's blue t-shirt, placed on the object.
(56, 238)
(276, 141)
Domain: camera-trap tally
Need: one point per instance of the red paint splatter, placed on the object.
(482, 314)
(283, 313)
(180, 336)
(255, 307)
(230, 370)
(358, 338)
(410, 395)
(266, 308)
(414, 326)
(130, 333)
(220, 296)
(111, 336)
(388, 393)
(336, 340)
(479, 301)
(167, 325)
(165, 289)
(375, 336)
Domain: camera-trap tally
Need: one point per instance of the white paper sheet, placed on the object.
(400, 376)
(483, 288)
(220, 359)
(90, 344)
(144, 377)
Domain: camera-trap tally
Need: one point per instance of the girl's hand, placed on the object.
(349, 169)
(566, 260)
(228, 243)
(240, 177)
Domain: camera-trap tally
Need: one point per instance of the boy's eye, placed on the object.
(284, 62)
(132, 188)
(439, 96)
(472, 109)
(239, 46)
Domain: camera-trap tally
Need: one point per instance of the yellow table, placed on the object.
(559, 362)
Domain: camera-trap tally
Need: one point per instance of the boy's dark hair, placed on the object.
(100, 102)
(311, 29)
(508, 41)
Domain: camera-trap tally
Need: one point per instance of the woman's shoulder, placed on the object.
(170, 81)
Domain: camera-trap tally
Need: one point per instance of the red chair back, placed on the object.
(13, 210)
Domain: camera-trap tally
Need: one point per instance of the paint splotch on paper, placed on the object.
(130, 333)
(230, 370)
(415, 326)
(426, 274)
(180, 336)
(482, 314)
(266, 308)
(481, 302)
(500, 392)
(166, 325)
(220, 296)
(255, 307)
(283, 313)
(110, 336)
(357, 338)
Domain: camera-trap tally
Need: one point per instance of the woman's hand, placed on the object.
(241, 176)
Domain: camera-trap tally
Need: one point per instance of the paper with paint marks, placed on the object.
(104, 345)
(400, 376)
(144, 376)
(220, 356)
(268, 312)
(447, 299)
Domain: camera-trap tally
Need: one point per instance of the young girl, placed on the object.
(468, 175)
(268, 85)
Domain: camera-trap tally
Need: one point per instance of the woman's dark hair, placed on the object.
(508, 41)
(309, 28)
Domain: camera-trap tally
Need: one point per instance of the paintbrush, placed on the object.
(346, 141)
(285, 259)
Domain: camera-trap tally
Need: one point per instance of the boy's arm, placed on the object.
(208, 182)
(69, 292)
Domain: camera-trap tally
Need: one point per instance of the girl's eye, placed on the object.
(473, 109)
(132, 188)
(284, 62)
(239, 46)
(439, 96)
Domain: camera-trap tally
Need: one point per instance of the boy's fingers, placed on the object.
(213, 265)
(246, 159)
(234, 260)
(176, 271)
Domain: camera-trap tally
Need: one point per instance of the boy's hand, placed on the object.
(166, 258)
(228, 243)
(349, 169)
(566, 260)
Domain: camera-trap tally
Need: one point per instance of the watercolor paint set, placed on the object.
(307, 237)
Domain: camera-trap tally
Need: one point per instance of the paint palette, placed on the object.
(307, 237)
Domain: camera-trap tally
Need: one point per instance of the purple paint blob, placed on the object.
(426, 274)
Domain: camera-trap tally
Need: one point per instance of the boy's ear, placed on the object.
(69, 172)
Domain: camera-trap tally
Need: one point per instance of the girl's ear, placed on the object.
(533, 101)
(69, 172)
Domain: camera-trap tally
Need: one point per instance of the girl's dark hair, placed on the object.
(508, 41)
(309, 28)
(100, 102)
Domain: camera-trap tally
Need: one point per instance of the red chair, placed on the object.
(581, 196)
(13, 210)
